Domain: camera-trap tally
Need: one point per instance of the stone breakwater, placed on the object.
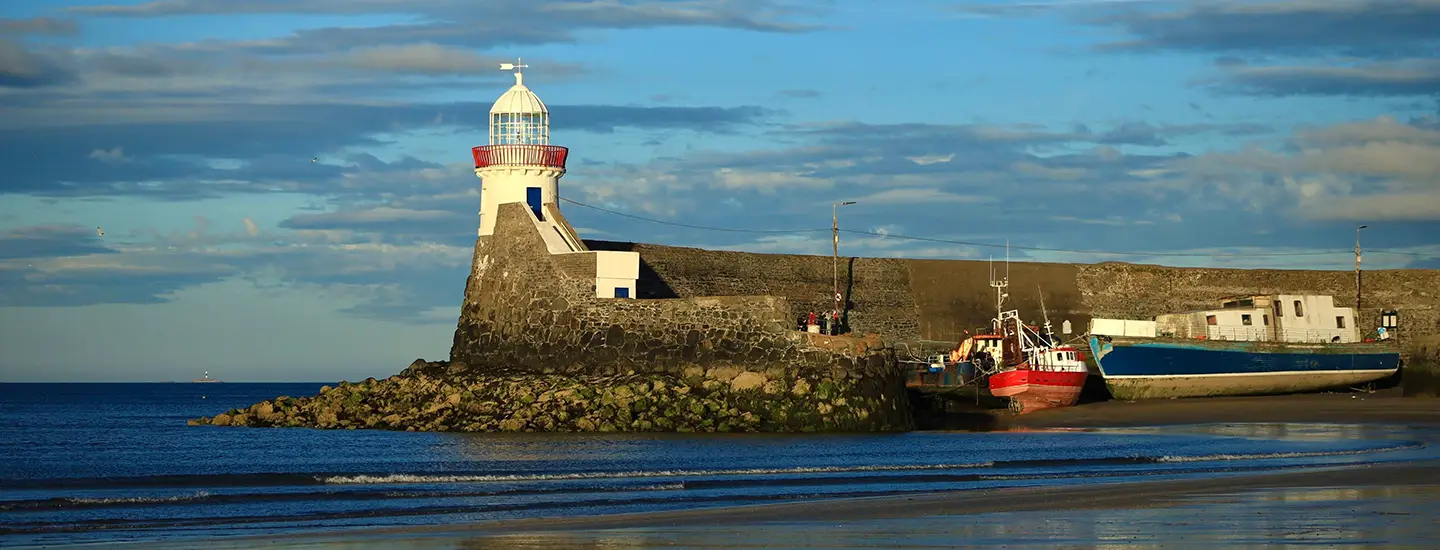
(426, 397)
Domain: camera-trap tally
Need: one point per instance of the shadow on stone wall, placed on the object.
(650, 284)
(1422, 369)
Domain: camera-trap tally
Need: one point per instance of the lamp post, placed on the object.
(835, 261)
(1357, 273)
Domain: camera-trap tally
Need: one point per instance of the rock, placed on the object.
(801, 387)
(747, 400)
(722, 374)
(747, 380)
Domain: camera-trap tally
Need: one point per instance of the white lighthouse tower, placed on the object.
(519, 165)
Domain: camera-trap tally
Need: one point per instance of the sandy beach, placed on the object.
(1380, 407)
(1378, 504)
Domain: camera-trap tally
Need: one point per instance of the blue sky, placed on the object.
(1232, 134)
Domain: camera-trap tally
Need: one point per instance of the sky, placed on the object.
(1185, 133)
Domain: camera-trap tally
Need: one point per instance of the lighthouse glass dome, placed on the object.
(519, 118)
(519, 128)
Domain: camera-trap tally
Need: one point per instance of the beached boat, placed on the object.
(1253, 345)
(1035, 372)
(1026, 367)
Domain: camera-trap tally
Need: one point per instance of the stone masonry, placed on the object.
(938, 300)
(527, 311)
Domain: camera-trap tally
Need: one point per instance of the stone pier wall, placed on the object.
(939, 300)
(529, 312)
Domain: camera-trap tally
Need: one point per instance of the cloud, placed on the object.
(798, 94)
(21, 68)
(49, 241)
(38, 25)
(389, 220)
(250, 228)
(1378, 169)
(1350, 47)
(921, 196)
(177, 152)
(1411, 77)
(1303, 27)
(423, 58)
(68, 266)
(116, 154)
(477, 25)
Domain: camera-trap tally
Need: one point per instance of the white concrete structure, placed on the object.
(1272, 318)
(1123, 327)
(520, 165)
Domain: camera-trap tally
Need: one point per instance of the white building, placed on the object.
(1279, 317)
(520, 165)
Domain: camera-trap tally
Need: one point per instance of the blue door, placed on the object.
(532, 198)
(622, 292)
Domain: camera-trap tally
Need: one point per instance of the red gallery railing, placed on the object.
(552, 156)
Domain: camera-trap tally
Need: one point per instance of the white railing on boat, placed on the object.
(1263, 334)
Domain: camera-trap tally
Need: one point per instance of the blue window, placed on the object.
(532, 198)
(622, 292)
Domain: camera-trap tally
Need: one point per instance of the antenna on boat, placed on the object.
(1044, 312)
(999, 286)
(1007, 260)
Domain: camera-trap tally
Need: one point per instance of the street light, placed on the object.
(835, 262)
(1357, 272)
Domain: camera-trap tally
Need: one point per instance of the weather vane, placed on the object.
(516, 66)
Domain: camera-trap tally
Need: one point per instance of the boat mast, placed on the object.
(999, 286)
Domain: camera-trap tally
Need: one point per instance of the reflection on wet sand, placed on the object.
(1386, 516)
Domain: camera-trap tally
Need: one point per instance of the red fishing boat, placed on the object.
(1035, 373)
(1021, 363)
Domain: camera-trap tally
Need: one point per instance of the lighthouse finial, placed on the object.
(516, 66)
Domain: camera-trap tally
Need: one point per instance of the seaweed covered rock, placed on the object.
(423, 398)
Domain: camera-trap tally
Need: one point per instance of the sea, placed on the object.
(116, 463)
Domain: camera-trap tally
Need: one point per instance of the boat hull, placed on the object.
(1033, 390)
(1161, 368)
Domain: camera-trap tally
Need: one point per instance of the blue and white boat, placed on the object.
(1252, 345)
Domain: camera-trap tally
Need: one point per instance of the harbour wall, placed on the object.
(937, 300)
(528, 312)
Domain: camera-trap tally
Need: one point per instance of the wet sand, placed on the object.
(1389, 505)
(1380, 407)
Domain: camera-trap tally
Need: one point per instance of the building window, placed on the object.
(1278, 312)
(1266, 319)
(1245, 319)
(1299, 309)
(1210, 320)
(1339, 321)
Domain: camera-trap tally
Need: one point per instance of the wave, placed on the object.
(412, 478)
(1294, 454)
(207, 498)
(452, 478)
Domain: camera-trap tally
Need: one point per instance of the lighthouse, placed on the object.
(521, 166)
